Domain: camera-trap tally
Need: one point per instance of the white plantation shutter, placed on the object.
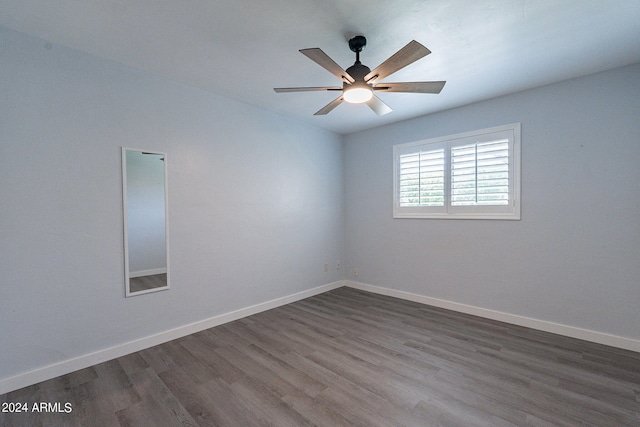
(480, 174)
(422, 178)
(470, 175)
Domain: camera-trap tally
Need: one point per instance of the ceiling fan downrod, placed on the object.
(357, 45)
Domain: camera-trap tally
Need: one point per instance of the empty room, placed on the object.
(329, 213)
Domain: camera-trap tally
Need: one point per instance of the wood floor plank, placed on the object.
(317, 414)
(297, 379)
(350, 358)
(266, 405)
(158, 404)
(90, 403)
(205, 402)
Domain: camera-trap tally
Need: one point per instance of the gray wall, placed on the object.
(573, 259)
(255, 203)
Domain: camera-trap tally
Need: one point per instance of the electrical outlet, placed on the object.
(326, 266)
(355, 272)
(338, 265)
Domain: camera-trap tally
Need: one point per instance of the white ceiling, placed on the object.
(242, 49)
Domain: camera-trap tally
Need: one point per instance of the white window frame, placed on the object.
(509, 211)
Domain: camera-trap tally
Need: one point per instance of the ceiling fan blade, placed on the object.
(330, 106)
(379, 107)
(405, 56)
(322, 59)
(305, 89)
(413, 87)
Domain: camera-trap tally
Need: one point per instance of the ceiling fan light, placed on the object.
(358, 95)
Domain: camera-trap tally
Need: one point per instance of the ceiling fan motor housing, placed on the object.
(357, 71)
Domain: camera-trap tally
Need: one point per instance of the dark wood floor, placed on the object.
(351, 358)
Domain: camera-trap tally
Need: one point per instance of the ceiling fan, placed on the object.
(359, 83)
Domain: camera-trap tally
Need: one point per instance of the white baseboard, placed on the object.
(70, 365)
(541, 325)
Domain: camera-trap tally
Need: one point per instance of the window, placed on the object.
(470, 175)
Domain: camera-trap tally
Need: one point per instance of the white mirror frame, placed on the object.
(127, 278)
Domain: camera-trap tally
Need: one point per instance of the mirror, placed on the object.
(144, 182)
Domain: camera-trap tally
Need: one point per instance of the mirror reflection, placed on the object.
(145, 221)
